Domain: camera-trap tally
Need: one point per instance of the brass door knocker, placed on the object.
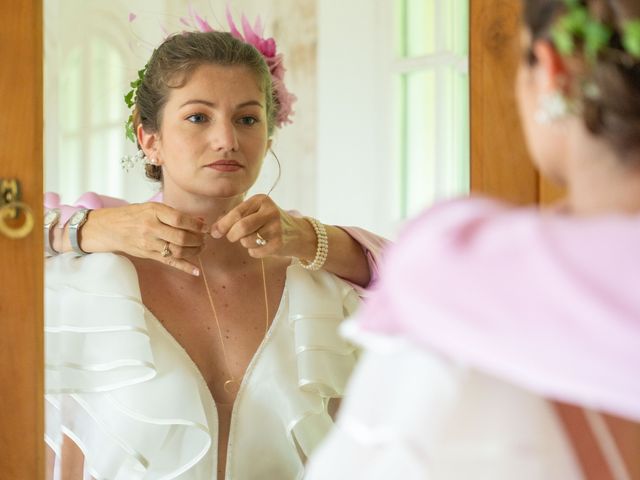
(12, 210)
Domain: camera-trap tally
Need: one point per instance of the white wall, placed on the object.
(355, 168)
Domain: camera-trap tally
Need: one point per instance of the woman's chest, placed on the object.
(219, 324)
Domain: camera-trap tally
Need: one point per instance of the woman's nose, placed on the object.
(224, 136)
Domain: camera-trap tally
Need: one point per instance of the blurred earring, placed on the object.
(553, 107)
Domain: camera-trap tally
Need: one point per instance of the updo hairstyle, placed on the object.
(605, 92)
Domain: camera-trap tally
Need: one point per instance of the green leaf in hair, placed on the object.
(596, 38)
(563, 40)
(128, 127)
(631, 38)
(128, 99)
(577, 26)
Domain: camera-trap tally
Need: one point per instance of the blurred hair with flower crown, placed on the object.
(601, 40)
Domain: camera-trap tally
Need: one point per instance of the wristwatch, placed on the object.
(76, 222)
(51, 218)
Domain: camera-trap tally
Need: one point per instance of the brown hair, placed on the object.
(607, 91)
(173, 62)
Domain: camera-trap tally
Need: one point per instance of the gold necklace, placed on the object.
(232, 385)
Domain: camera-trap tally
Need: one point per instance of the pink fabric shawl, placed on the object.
(546, 301)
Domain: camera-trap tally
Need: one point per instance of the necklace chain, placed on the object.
(232, 379)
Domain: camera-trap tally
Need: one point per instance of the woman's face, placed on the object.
(213, 136)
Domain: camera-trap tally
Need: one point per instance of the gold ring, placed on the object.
(260, 240)
(165, 251)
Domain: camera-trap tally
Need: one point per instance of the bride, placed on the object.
(233, 371)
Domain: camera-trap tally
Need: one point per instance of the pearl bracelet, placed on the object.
(322, 250)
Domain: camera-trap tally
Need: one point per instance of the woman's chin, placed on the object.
(224, 188)
(228, 192)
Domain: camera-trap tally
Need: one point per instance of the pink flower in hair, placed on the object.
(267, 47)
(253, 35)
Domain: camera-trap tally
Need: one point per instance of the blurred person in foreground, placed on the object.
(487, 314)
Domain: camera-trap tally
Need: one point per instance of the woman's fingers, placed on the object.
(176, 236)
(259, 215)
(174, 250)
(252, 224)
(174, 218)
(159, 228)
(225, 224)
(177, 263)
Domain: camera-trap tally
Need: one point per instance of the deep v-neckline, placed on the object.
(275, 322)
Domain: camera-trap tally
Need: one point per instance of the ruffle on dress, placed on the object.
(112, 384)
(318, 304)
(121, 387)
(437, 419)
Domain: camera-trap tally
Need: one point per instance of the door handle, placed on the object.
(16, 217)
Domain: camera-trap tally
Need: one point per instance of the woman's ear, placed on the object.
(552, 72)
(149, 143)
(269, 143)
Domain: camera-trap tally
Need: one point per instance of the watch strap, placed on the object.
(74, 230)
(48, 227)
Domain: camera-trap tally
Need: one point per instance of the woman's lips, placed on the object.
(225, 166)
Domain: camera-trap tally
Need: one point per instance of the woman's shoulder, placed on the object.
(97, 273)
(472, 237)
(460, 219)
(526, 295)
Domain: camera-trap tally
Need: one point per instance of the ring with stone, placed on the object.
(165, 251)
(260, 240)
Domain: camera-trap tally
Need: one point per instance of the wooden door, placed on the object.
(500, 164)
(21, 272)
(499, 161)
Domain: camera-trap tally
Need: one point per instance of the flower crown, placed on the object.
(253, 35)
(578, 25)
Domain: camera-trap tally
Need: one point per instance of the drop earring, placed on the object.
(553, 107)
(151, 161)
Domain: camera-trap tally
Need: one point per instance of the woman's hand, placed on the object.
(144, 230)
(285, 235)
(290, 236)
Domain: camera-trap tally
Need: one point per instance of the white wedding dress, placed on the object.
(436, 419)
(121, 387)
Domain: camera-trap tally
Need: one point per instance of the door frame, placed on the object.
(21, 276)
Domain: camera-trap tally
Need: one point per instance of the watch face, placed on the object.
(77, 217)
(50, 217)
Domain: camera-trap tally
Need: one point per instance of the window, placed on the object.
(91, 113)
(89, 61)
(430, 71)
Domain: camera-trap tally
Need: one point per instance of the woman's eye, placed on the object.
(248, 120)
(197, 118)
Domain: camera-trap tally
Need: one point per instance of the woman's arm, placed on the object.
(353, 253)
(346, 258)
(140, 230)
(143, 230)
